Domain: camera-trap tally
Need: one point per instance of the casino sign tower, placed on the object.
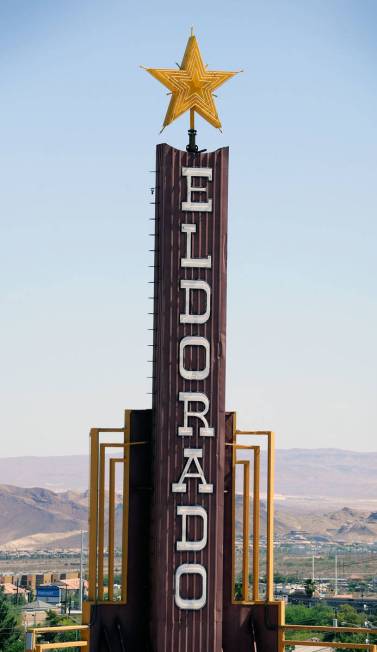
(176, 564)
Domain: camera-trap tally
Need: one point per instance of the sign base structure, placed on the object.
(166, 573)
(119, 611)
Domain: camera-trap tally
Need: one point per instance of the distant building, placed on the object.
(64, 591)
(50, 594)
(11, 590)
(34, 613)
(31, 581)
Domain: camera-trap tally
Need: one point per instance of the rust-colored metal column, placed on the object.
(189, 400)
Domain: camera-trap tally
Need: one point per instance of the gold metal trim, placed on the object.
(93, 514)
(101, 520)
(96, 593)
(283, 642)
(256, 516)
(246, 527)
(126, 511)
(256, 523)
(334, 645)
(39, 647)
(111, 533)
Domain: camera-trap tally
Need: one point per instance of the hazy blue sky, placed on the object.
(79, 123)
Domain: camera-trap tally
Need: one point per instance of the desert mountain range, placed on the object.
(325, 492)
(42, 519)
(327, 472)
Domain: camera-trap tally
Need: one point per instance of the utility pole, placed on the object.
(366, 623)
(336, 574)
(313, 569)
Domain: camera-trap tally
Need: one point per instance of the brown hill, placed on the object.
(34, 512)
(41, 519)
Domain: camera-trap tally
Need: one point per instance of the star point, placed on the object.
(191, 85)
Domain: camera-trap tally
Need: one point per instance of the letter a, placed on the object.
(192, 455)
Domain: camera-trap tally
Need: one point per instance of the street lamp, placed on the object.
(366, 622)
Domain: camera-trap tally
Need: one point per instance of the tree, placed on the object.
(10, 633)
(348, 616)
(54, 620)
(299, 614)
(309, 587)
(322, 614)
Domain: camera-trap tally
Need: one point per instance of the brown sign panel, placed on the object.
(189, 400)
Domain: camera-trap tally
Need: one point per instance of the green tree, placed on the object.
(10, 633)
(321, 614)
(54, 620)
(349, 617)
(297, 614)
(279, 578)
(348, 614)
(309, 587)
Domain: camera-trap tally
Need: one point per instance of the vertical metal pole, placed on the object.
(270, 517)
(336, 574)
(313, 569)
(234, 512)
(256, 523)
(101, 520)
(111, 530)
(246, 530)
(192, 146)
(126, 502)
(93, 514)
(281, 621)
(192, 119)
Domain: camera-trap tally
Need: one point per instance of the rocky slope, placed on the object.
(39, 513)
(38, 518)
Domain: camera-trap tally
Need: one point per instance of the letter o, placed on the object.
(196, 374)
(190, 569)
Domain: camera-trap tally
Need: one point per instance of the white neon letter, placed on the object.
(194, 397)
(190, 569)
(193, 455)
(189, 229)
(191, 205)
(185, 511)
(187, 317)
(194, 374)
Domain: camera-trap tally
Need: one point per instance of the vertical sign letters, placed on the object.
(193, 456)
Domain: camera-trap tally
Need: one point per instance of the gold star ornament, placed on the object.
(191, 86)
